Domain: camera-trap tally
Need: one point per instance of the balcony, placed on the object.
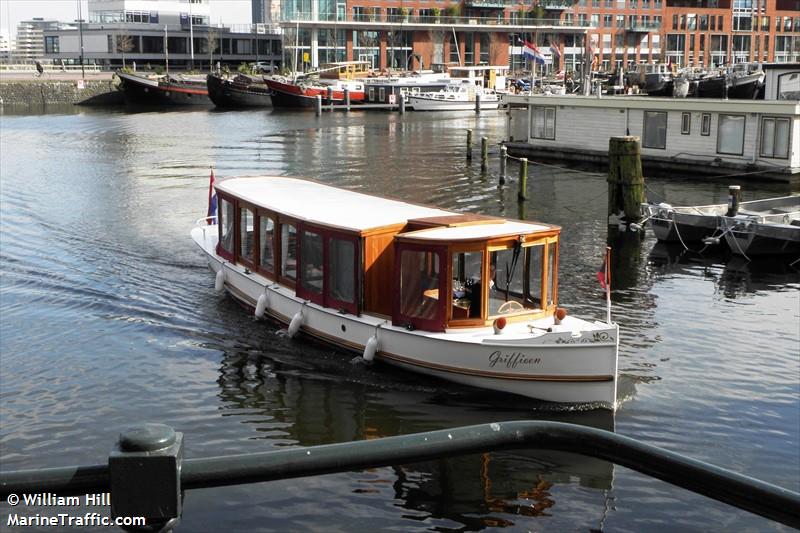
(489, 4)
(556, 5)
(642, 27)
(383, 21)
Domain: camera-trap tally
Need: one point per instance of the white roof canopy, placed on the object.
(311, 201)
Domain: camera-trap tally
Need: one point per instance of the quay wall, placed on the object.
(44, 92)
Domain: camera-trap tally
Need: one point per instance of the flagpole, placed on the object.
(608, 284)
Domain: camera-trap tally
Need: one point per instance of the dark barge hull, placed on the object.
(231, 93)
(142, 91)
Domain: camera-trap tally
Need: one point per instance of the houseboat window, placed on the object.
(655, 130)
(267, 243)
(419, 284)
(246, 241)
(730, 134)
(467, 267)
(227, 218)
(381, 94)
(341, 270)
(311, 262)
(534, 256)
(686, 123)
(543, 122)
(705, 124)
(372, 94)
(289, 251)
(775, 137)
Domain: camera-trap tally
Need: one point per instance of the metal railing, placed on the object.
(381, 17)
(150, 457)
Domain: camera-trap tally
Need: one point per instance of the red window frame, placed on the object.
(237, 246)
(438, 322)
(325, 298)
(220, 250)
(261, 269)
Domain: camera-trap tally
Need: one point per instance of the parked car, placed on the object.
(263, 66)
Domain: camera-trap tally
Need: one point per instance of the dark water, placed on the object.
(108, 317)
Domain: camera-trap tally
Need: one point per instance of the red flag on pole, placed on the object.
(604, 277)
(212, 200)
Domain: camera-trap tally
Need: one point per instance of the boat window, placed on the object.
(534, 258)
(341, 270)
(655, 130)
(506, 281)
(267, 242)
(311, 262)
(552, 276)
(686, 123)
(705, 124)
(466, 301)
(515, 280)
(246, 240)
(226, 222)
(289, 251)
(730, 134)
(775, 137)
(543, 122)
(419, 284)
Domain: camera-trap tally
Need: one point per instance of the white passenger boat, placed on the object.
(454, 97)
(468, 298)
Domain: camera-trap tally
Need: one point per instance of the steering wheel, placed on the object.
(510, 307)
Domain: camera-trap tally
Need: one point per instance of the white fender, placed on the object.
(219, 281)
(294, 325)
(261, 305)
(371, 348)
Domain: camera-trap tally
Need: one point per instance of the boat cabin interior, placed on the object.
(424, 268)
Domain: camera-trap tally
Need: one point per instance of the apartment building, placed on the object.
(601, 34)
(29, 43)
(154, 31)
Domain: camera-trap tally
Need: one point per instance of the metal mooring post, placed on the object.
(145, 475)
(318, 107)
(522, 193)
(503, 161)
(484, 153)
(469, 145)
(478, 102)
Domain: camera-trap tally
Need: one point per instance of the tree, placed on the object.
(124, 44)
(213, 42)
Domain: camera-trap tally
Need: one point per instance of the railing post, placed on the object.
(145, 475)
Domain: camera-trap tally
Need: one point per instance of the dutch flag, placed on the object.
(530, 51)
(212, 201)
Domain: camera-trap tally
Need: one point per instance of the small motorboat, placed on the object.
(455, 97)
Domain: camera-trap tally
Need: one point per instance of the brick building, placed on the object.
(609, 33)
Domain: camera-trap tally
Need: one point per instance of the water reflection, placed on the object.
(287, 402)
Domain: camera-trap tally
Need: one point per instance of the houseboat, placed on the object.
(389, 89)
(464, 297)
(335, 83)
(754, 139)
(163, 90)
(240, 90)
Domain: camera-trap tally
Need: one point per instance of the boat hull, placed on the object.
(137, 90)
(671, 226)
(297, 96)
(229, 93)
(561, 366)
(427, 104)
(752, 238)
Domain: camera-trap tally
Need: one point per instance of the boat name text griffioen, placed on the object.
(511, 360)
